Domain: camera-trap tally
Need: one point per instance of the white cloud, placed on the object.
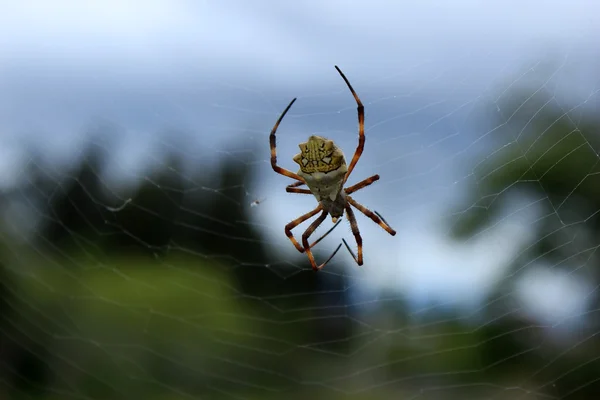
(551, 296)
(78, 18)
(276, 40)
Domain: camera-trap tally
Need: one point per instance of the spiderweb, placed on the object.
(143, 250)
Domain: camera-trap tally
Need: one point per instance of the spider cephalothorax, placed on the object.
(323, 169)
(320, 155)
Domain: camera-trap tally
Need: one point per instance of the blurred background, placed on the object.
(142, 250)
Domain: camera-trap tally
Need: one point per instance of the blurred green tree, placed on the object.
(547, 154)
(176, 242)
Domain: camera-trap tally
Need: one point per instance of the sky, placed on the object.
(424, 69)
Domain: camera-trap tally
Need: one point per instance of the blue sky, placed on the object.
(220, 69)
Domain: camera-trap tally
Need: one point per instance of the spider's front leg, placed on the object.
(273, 144)
(361, 126)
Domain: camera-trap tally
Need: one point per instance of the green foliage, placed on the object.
(548, 154)
(125, 327)
(123, 300)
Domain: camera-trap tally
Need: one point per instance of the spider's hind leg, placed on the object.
(288, 228)
(374, 217)
(325, 234)
(350, 251)
(357, 237)
(301, 219)
(309, 231)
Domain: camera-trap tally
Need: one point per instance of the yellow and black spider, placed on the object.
(323, 169)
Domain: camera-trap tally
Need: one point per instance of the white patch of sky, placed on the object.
(553, 296)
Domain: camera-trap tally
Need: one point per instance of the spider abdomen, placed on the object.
(324, 185)
(322, 167)
(335, 207)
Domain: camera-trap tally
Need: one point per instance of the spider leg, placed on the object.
(293, 188)
(309, 231)
(331, 256)
(354, 226)
(301, 219)
(374, 217)
(350, 250)
(299, 191)
(296, 184)
(298, 221)
(326, 233)
(361, 127)
(273, 144)
(362, 184)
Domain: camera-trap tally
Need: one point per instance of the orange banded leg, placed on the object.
(309, 231)
(362, 184)
(379, 221)
(293, 188)
(273, 144)
(361, 126)
(354, 227)
(301, 219)
(296, 222)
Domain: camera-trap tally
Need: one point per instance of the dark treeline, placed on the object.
(164, 214)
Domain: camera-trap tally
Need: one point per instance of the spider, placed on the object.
(324, 171)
